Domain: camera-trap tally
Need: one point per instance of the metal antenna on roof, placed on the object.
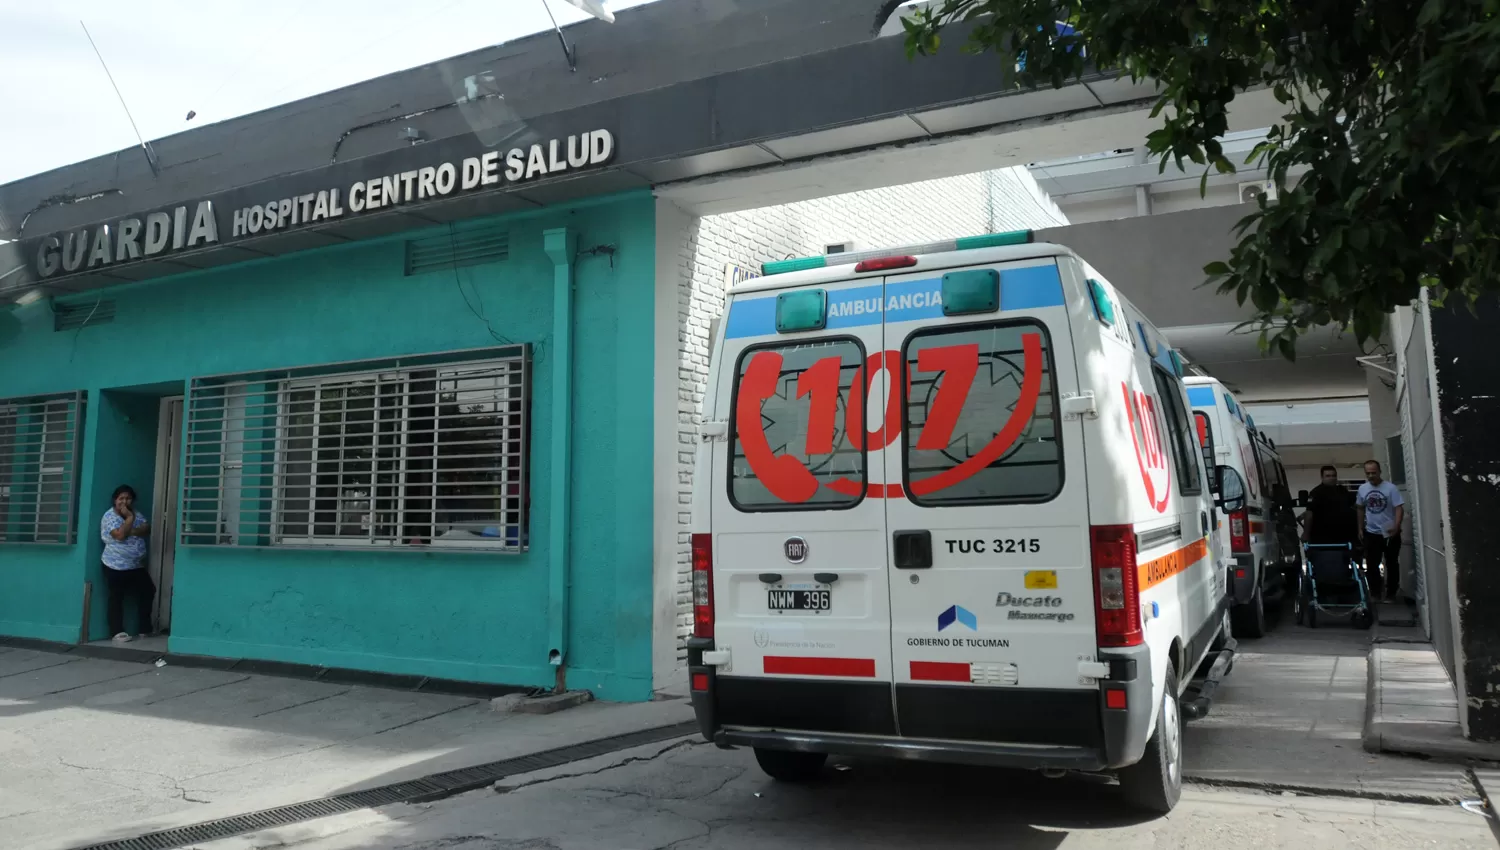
(150, 154)
(593, 7)
(568, 49)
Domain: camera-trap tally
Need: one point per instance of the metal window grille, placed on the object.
(421, 453)
(39, 450)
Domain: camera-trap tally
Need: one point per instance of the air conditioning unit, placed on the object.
(847, 246)
(1250, 193)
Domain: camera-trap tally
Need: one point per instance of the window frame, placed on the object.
(403, 379)
(1049, 364)
(65, 474)
(1258, 453)
(229, 437)
(1172, 400)
(733, 436)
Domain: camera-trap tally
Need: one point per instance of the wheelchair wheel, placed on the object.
(1363, 620)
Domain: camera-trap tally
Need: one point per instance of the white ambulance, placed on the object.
(1255, 540)
(949, 506)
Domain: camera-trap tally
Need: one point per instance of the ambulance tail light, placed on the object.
(881, 264)
(1239, 532)
(1117, 601)
(703, 585)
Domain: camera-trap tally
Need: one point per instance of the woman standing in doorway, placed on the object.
(124, 533)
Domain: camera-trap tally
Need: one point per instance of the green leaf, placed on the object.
(1387, 152)
(1288, 347)
(1264, 296)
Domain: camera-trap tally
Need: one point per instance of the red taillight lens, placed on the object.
(884, 264)
(1114, 698)
(1117, 601)
(1239, 532)
(700, 681)
(703, 585)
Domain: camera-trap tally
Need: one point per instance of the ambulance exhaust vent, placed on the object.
(457, 248)
(72, 317)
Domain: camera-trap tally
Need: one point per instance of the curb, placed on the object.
(1300, 790)
(1394, 738)
(426, 789)
(1370, 736)
(279, 669)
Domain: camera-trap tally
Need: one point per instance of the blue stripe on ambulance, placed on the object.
(1029, 288)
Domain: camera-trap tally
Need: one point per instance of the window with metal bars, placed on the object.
(410, 454)
(39, 449)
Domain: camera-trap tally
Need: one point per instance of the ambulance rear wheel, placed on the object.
(788, 766)
(1250, 618)
(1154, 783)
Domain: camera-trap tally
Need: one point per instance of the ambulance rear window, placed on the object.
(791, 450)
(982, 419)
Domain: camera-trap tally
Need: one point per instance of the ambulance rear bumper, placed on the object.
(915, 749)
(1076, 729)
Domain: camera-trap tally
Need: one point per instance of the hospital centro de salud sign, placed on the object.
(197, 225)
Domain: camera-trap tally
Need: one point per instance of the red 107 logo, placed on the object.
(788, 478)
(1150, 450)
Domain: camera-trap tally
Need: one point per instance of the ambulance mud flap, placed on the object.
(1243, 579)
(1199, 697)
(1127, 728)
(702, 678)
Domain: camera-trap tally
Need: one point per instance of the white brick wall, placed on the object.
(929, 211)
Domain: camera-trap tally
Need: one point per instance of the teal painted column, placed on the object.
(561, 247)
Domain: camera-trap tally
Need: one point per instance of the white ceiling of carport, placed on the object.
(1324, 369)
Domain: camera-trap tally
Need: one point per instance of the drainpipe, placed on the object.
(561, 246)
(1142, 193)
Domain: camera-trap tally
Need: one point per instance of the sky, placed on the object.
(221, 58)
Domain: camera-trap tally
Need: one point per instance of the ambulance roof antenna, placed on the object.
(150, 154)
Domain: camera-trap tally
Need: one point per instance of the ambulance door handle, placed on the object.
(1204, 517)
(913, 550)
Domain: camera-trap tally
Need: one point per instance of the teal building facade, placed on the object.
(418, 454)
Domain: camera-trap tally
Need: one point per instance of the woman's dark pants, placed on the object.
(137, 583)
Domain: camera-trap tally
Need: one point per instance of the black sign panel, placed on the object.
(428, 173)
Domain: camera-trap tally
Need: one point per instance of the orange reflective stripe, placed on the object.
(1158, 570)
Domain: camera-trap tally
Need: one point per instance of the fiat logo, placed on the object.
(796, 549)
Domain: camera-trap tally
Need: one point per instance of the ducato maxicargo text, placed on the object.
(1005, 548)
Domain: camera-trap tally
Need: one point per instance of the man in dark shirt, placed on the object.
(1330, 516)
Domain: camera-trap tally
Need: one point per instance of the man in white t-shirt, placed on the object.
(1381, 510)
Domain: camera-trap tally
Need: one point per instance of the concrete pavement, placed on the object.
(93, 749)
(1291, 716)
(1413, 707)
(1278, 763)
(696, 797)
